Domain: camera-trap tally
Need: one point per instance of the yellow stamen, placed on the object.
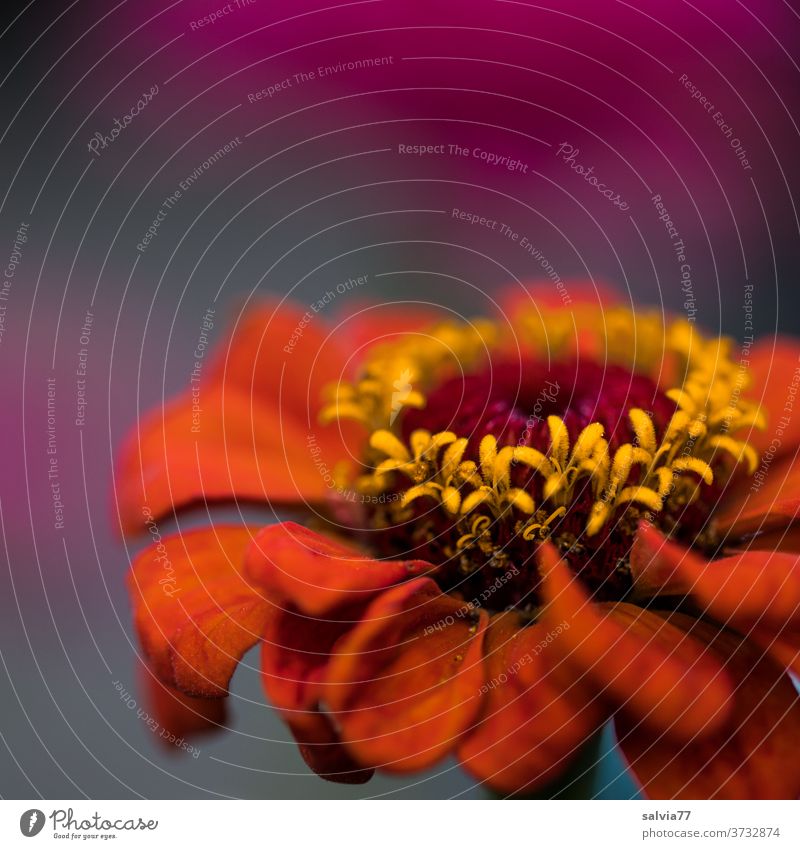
(389, 444)
(559, 440)
(644, 430)
(487, 453)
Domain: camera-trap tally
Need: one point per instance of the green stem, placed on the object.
(579, 780)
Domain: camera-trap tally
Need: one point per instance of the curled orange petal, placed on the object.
(644, 665)
(752, 588)
(322, 749)
(653, 563)
(534, 719)
(404, 684)
(282, 354)
(318, 574)
(295, 653)
(194, 612)
(767, 502)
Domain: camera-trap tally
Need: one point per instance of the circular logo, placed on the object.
(31, 822)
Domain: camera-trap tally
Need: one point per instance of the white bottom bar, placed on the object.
(389, 824)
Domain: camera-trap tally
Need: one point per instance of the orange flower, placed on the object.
(526, 526)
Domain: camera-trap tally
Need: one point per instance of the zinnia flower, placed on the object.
(519, 529)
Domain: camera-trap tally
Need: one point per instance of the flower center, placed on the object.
(475, 469)
(521, 420)
(513, 401)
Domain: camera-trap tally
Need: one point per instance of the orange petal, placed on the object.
(282, 354)
(534, 719)
(769, 501)
(318, 574)
(404, 684)
(174, 716)
(654, 561)
(757, 592)
(644, 665)
(321, 747)
(294, 656)
(784, 647)
(773, 366)
(194, 612)
(247, 428)
(784, 539)
(532, 300)
(369, 324)
(753, 756)
(752, 588)
(236, 449)
(544, 294)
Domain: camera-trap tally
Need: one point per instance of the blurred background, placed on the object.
(160, 160)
